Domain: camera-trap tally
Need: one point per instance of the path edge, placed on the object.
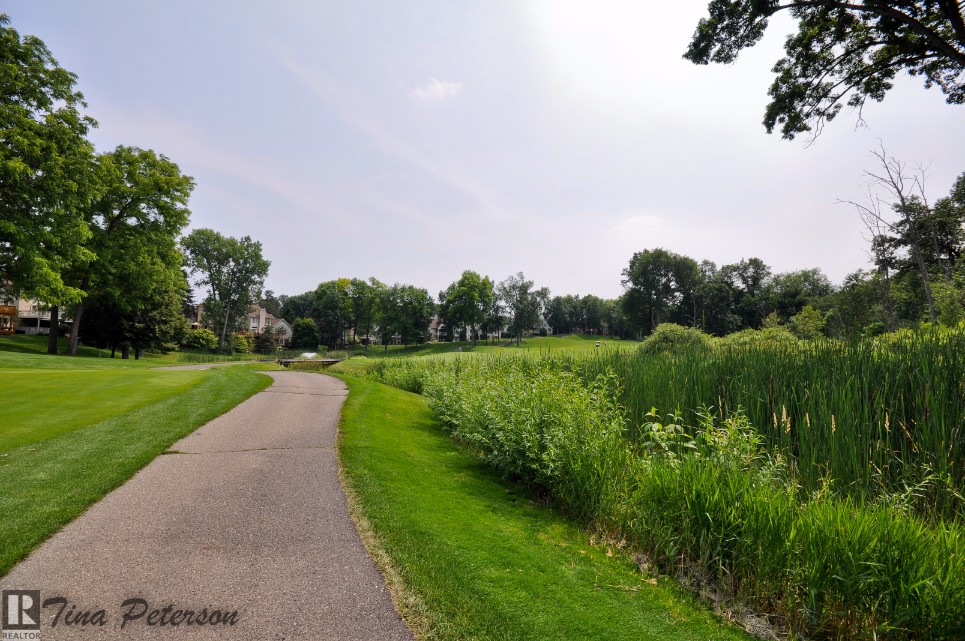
(408, 604)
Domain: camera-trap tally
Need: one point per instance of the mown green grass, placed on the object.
(477, 559)
(42, 404)
(60, 471)
(30, 352)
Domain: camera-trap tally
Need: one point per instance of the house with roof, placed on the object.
(23, 316)
(258, 319)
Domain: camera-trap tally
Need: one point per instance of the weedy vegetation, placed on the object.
(818, 483)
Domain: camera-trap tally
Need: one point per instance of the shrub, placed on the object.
(755, 337)
(807, 324)
(241, 344)
(670, 337)
(202, 338)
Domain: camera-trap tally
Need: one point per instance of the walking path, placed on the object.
(246, 515)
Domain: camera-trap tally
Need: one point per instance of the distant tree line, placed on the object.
(344, 311)
(918, 274)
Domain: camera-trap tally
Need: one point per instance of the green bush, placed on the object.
(672, 338)
(767, 336)
(807, 324)
(242, 344)
(202, 338)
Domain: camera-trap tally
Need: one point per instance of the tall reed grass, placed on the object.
(872, 418)
(817, 483)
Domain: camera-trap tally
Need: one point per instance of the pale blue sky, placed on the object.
(413, 140)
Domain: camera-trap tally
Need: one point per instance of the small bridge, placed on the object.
(286, 362)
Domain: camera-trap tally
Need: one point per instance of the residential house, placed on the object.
(255, 323)
(258, 319)
(437, 330)
(23, 316)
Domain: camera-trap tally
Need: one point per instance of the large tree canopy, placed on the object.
(404, 311)
(524, 304)
(843, 52)
(45, 162)
(466, 302)
(656, 281)
(234, 272)
(140, 210)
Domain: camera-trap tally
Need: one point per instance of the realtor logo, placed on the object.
(21, 614)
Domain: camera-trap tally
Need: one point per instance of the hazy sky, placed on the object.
(413, 140)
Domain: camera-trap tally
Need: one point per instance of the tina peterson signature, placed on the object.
(137, 611)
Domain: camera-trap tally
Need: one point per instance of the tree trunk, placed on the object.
(224, 326)
(75, 329)
(78, 314)
(886, 301)
(923, 271)
(54, 326)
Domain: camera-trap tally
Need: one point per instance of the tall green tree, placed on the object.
(305, 333)
(363, 299)
(494, 321)
(522, 303)
(271, 303)
(657, 283)
(748, 281)
(467, 302)
(45, 170)
(135, 220)
(234, 272)
(844, 52)
(143, 306)
(333, 310)
(856, 307)
(788, 293)
(714, 297)
(563, 313)
(297, 306)
(404, 311)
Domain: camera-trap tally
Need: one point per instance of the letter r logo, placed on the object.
(21, 610)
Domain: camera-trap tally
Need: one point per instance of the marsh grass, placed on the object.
(875, 421)
(473, 557)
(816, 482)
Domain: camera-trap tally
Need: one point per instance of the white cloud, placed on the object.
(436, 91)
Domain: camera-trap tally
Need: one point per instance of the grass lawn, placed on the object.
(469, 557)
(74, 428)
(43, 404)
(30, 352)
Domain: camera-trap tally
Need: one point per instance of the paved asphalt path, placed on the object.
(248, 515)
